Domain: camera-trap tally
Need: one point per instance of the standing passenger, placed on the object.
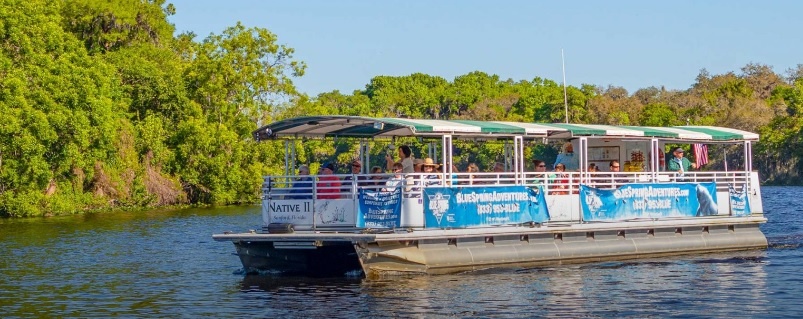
(567, 158)
(679, 163)
(405, 157)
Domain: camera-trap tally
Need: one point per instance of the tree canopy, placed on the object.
(103, 106)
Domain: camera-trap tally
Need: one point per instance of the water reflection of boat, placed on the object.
(449, 221)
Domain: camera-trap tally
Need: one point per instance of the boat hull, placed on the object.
(333, 259)
(458, 250)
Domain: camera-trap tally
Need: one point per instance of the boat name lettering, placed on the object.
(647, 192)
(285, 208)
(491, 197)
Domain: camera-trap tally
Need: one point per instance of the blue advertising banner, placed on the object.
(379, 209)
(483, 206)
(648, 201)
(740, 205)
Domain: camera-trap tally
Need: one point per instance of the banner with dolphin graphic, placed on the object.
(483, 206)
(648, 201)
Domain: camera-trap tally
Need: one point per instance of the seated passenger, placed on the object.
(561, 181)
(356, 173)
(617, 179)
(502, 178)
(429, 168)
(590, 181)
(376, 178)
(472, 168)
(328, 185)
(397, 180)
(302, 186)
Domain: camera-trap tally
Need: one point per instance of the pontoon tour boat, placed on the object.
(447, 221)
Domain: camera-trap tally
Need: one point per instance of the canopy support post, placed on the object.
(447, 158)
(518, 159)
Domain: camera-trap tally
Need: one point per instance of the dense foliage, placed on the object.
(103, 106)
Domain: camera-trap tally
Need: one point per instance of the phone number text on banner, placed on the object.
(483, 206)
(648, 201)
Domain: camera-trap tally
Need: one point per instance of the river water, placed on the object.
(165, 264)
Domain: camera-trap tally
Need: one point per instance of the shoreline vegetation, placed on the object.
(104, 107)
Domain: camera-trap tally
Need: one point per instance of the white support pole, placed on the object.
(447, 158)
(518, 159)
(655, 160)
(583, 151)
(565, 96)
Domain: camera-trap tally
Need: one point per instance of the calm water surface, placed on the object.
(165, 264)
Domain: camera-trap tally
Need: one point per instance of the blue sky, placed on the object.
(633, 44)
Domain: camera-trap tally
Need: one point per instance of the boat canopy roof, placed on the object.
(368, 127)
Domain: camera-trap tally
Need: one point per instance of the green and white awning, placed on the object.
(366, 127)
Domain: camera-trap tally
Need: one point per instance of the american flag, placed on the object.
(700, 154)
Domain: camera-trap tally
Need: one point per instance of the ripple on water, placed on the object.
(163, 264)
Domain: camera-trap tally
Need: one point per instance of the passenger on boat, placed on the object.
(418, 165)
(568, 158)
(362, 180)
(328, 185)
(405, 157)
(679, 163)
(561, 182)
(376, 178)
(540, 175)
(617, 179)
(429, 168)
(590, 181)
(471, 168)
(501, 178)
(455, 171)
(397, 180)
(302, 186)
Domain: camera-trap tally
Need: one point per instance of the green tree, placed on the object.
(241, 75)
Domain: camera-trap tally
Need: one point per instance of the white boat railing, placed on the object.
(287, 189)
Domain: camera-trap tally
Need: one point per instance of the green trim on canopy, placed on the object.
(495, 127)
(401, 122)
(721, 133)
(366, 127)
(576, 129)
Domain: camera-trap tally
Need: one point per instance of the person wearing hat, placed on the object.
(429, 168)
(328, 185)
(679, 163)
(418, 165)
